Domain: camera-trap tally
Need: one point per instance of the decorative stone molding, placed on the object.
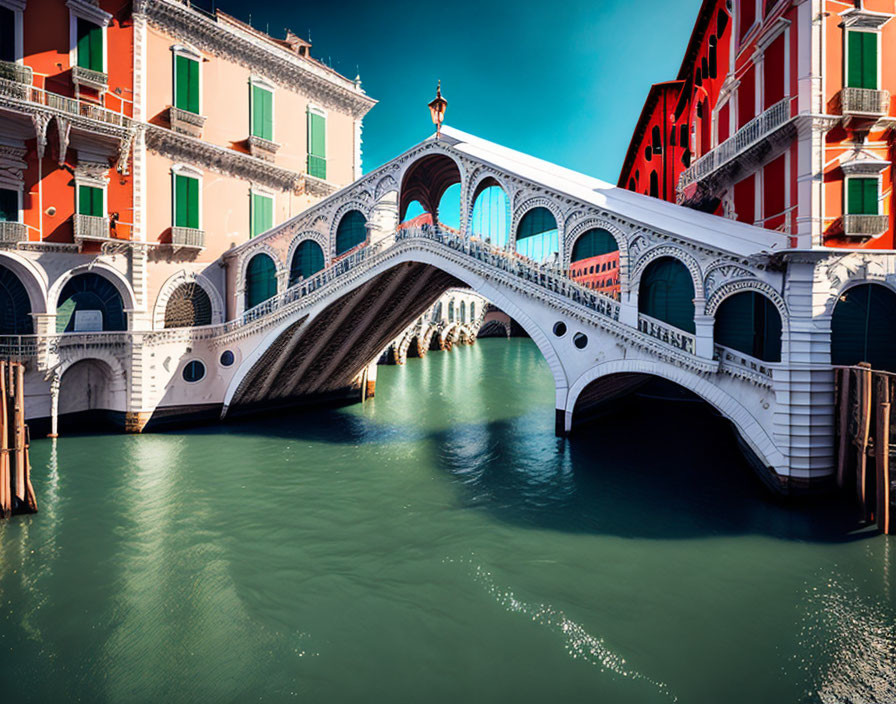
(519, 212)
(675, 253)
(97, 80)
(90, 11)
(739, 286)
(186, 122)
(593, 223)
(314, 236)
(317, 187)
(178, 147)
(337, 216)
(12, 167)
(187, 238)
(277, 64)
(262, 148)
(187, 277)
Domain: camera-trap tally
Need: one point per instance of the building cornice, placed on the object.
(318, 83)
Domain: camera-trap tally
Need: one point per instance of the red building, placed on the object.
(600, 273)
(781, 117)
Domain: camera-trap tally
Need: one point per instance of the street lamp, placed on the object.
(437, 109)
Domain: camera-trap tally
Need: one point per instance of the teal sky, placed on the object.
(563, 80)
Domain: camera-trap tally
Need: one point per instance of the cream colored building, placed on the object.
(243, 131)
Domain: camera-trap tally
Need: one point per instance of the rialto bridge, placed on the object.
(302, 313)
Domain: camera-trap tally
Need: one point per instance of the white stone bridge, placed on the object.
(723, 309)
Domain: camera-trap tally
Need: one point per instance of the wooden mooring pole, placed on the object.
(16, 491)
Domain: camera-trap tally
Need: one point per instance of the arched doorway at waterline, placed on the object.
(594, 261)
(90, 303)
(91, 399)
(15, 305)
(261, 280)
(863, 327)
(537, 236)
(307, 260)
(750, 323)
(666, 293)
(490, 219)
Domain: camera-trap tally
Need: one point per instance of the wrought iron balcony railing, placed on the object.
(186, 122)
(92, 79)
(187, 237)
(62, 104)
(262, 148)
(12, 232)
(865, 225)
(91, 228)
(12, 71)
(750, 134)
(864, 102)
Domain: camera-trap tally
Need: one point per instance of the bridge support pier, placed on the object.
(368, 389)
(560, 423)
(135, 421)
(703, 329)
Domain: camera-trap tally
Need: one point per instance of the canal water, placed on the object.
(437, 544)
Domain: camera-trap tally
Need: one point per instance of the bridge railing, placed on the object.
(736, 360)
(669, 334)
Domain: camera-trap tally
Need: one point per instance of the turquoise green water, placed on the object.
(437, 544)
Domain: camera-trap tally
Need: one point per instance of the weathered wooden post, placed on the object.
(843, 375)
(6, 499)
(864, 431)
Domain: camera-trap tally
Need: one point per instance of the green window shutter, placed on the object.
(862, 60)
(90, 201)
(262, 113)
(186, 201)
(317, 145)
(262, 214)
(186, 84)
(90, 45)
(861, 196)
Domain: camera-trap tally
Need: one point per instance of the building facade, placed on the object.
(780, 116)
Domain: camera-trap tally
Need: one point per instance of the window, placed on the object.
(657, 140)
(317, 144)
(747, 16)
(227, 358)
(7, 34)
(90, 45)
(654, 185)
(9, 205)
(186, 201)
(90, 201)
(194, 371)
(684, 135)
(262, 116)
(186, 83)
(713, 57)
(262, 215)
(351, 232)
(861, 60)
(862, 196)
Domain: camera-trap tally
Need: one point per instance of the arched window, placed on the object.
(593, 243)
(15, 306)
(491, 214)
(654, 184)
(307, 260)
(863, 325)
(450, 311)
(656, 140)
(188, 306)
(463, 311)
(449, 207)
(90, 302)
(261, 280)
(536, 236)
(750, 323)
(351, 232)
(666, 292)
(472, 311)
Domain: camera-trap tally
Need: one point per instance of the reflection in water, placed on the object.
(320, 556)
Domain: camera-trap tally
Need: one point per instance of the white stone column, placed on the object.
(703, 332)
(54, 405)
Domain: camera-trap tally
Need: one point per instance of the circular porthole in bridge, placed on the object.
(580, 340)
(560, 329)
(194, 371)
(226, 358)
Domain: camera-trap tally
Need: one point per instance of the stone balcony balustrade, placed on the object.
(863, 104)
(91, 228)
(13, 232)
(262, 148)
(187, 238)
(865, 225)
(97, 80)
(11, 71)
(186, 122)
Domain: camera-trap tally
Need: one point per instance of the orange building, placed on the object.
(780, 116)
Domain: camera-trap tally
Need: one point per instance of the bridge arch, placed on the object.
(524, 209)
(666, 293)
(759, 288)
(348, 228)
(307, 256)
(261, 280)
(673, 252)
(739, 415)
(426, 179)
(489, 199)
(177, 281)
(749, 321)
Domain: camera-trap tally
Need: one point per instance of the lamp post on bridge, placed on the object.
(437, 109)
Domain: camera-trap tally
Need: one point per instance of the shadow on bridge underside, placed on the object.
(635, 473)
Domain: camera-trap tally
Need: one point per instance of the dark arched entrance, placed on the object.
(750, 323)
(666, 293)
(15, 305)
(90, 302)
(863, 327)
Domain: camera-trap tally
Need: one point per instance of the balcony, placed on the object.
(723, 165)
(186, 122)
(13, 232)
(187, 238)
(91, 228)
(262, 148)
(863, 104)
(70, 107)
(865, 225)
(96, 80)
(11, 71)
